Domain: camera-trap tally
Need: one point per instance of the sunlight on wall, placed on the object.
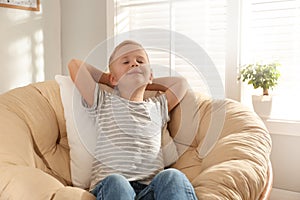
(25, 45)
(30, 49)
(39, 62)
(20, 50)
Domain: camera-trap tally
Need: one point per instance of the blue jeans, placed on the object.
(168, 184)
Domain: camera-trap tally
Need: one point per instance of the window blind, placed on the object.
(272, 33)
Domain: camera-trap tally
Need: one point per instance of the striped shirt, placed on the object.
(129, 136)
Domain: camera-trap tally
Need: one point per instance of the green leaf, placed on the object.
(260, 75)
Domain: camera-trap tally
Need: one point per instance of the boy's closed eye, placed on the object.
(138, 61)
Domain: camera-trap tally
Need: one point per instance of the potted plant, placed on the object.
(264, 76)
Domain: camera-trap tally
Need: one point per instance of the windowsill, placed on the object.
(285, 114)
(282, 127)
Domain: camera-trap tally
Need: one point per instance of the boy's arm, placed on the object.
(174, 88)
(85, 77)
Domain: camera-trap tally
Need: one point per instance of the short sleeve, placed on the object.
(163, 108)
(98, 98)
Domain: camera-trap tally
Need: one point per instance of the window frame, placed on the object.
(233, 88)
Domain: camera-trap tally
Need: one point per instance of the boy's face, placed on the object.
(130, 65)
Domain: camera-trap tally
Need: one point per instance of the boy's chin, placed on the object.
(134, 81)
(134, 84)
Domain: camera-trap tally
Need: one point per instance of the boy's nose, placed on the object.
(134, 64)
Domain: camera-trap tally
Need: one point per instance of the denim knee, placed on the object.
(171, 175)
(114, 187)
(172, 184)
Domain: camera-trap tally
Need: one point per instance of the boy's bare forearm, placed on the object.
(98, 76)
(174, 87)
(168, 83)
(156, 86)
(162, 83)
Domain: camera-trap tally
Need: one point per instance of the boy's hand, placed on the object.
(174, 87)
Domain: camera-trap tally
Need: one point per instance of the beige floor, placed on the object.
(278, 194)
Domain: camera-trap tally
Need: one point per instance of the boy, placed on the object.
(128, 155)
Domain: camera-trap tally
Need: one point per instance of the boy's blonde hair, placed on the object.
(135, 46)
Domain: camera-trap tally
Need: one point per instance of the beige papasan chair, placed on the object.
(35, 161)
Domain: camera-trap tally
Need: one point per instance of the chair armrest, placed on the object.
(73, 193)
(28, 183)
(268, 188)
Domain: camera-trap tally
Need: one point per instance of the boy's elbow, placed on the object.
(73, 68)
(180, 88)
(71, 64)
(183, 84)
(183, 88)
(184, 81)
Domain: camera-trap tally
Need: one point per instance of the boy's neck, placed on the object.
(133, 95)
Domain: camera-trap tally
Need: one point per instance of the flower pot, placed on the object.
(262, 105)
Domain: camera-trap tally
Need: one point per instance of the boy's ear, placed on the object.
(151, 77)
(112, 79)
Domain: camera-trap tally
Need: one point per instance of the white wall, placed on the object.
(83, 28)
(285, 159)
(30, 49)
(285, 153)
(35, 46)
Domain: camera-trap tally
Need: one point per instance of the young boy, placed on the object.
(128, 155)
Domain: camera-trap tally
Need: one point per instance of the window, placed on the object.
(271, 31)
(231, 32)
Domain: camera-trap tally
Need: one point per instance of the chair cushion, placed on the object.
(37, 134)
(235, 165)
(224, 147)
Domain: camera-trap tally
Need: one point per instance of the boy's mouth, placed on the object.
(135, 71)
